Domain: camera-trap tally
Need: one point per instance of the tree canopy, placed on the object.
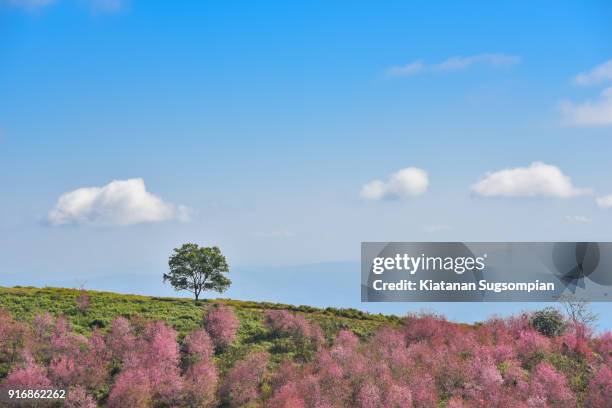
(197, 269)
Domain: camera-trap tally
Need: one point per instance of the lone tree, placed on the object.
(196, 269)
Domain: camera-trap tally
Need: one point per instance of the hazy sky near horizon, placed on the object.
(289, 133)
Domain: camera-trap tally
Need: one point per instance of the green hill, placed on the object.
(24, 303)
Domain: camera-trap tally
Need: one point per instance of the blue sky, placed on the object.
(257, 126)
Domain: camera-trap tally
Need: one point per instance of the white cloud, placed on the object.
(120, 202)
(493, 60)
(539, 179)
(454, 64)
(406, 70)
(591, 112)
(404, 183)
(578, 219)
(605, 201)
(599, 74)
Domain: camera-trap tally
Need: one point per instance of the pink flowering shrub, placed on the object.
(398, 396)
(532, 346)
(515, 378)
(285, 323)
(502, 352)
(132, 388)
(27, 376)
(288, 396)
(599, 392)
(242, 384)
(77, 397)
(14, 336)
(428, 327)
(198, 345)
(221, 324)
(120, 339)
(64, 370)
(85, 365)
(551, 386)
(368, 396)
(158, 353)
(200, 385)
(603, 347)
(577, 340)
(42, 326)
(279, 321)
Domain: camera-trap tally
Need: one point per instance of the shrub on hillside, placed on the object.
(28, 375)
(549, 385)
(198, 346)
(132, 389)
(221, 324)
(599, 392)
(603, 347)
(549, 322)
(120, 339)
(242, 384)
(200, 384)
(78, 397)
(284, 323)
(532, 347)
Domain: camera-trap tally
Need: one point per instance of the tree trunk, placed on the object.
(197, 295)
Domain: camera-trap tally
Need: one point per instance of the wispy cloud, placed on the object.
(118, 203)
(599, 74)
(454, 64)
(591, 112)
(538, 179)
(412, 68)
(605, 202)
(404, 183)
(596, 112)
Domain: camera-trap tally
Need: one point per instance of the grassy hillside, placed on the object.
(24, 303)
(183, 314)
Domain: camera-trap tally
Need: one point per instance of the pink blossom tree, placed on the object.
(288, 396)
(221, 324)
(242, 384)
(27, 376)
(599, 392)
(198, 346)
(77, 397)
(368, 396)
(550, 385)
(120, 339)
(132, 389)
(200, 384)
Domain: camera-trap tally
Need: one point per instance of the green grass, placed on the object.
(24, 303)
